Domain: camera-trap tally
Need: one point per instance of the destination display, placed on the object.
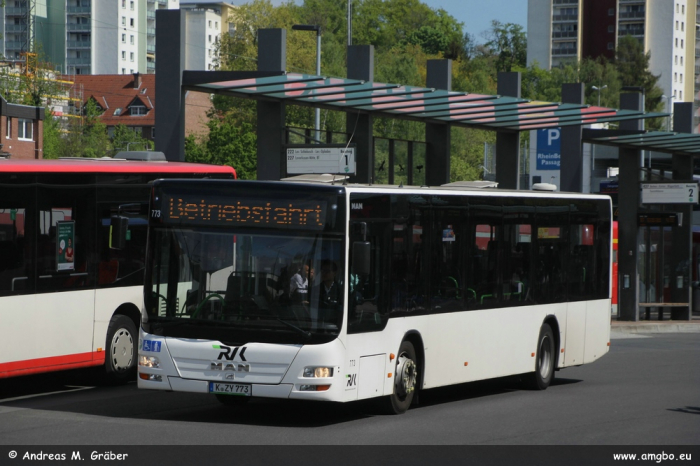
(218, 211)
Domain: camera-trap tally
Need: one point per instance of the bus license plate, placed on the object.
(230, 388)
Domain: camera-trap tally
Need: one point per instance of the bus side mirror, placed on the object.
(361, 257)
(117, 232)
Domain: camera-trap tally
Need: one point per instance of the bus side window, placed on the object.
(64, 252)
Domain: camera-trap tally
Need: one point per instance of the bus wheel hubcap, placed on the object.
(122, 348)
(406, 373)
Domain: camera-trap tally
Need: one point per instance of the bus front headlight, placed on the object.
(149, 361)
(318, 372)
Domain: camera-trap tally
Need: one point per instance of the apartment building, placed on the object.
(84, 36)
(205, 22)
(567, 30)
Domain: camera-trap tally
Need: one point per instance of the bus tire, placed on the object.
(121, 351)
(544, 362)
(405, 380)
(232, 400)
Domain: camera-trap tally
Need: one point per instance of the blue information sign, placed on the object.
(548, 149)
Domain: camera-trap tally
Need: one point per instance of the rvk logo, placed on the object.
(228, 352)
(352, 380)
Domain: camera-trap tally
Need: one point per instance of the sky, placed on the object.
(476, 15)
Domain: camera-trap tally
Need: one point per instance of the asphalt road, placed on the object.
(646, 391)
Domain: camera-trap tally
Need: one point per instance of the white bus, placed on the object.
(408, 288)
(68, 299)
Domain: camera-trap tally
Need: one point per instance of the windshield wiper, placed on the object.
(306, 334)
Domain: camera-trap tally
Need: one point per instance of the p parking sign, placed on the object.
(548, 149)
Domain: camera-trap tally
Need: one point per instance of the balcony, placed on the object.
(573, 17)
(566, 2)
(625, 15)
(637, 32)
(14, 45)
(564, 51)
(75, 10)
(78, 44)
(15, 11)
(73, 61)
(15, 28)
(150, 49)
(78, 27)
(564, 34)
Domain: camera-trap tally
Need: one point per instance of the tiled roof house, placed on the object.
(129, 99)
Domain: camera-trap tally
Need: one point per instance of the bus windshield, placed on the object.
(243, 285)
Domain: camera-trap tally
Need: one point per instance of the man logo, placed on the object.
(356, 205)
(229, 366)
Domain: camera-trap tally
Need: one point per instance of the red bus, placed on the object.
(67, 298)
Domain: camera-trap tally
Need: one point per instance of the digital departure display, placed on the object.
(218, 211)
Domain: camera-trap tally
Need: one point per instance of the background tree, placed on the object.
(125, 139)
(633, 67)
(229, 142)
(509, 45)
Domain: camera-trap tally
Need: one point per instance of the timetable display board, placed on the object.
(319, 159)
(669, 193)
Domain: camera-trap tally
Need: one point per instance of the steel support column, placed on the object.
(272, 56)
(359, 126)
(437, 136)
(508, 143)
(170, 98)
(628, 208)
(571, 170)
(681, 249)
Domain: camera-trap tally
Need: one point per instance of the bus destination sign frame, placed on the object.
(669, 193)
(320, 159)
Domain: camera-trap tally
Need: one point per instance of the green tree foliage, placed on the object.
(633, 65)
(509, 45)
(229, 142)
(125, 139)
(86, 138)
(53, 139)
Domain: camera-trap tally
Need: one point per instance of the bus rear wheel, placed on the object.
(121, 351)
(405, 380)
(545, 357)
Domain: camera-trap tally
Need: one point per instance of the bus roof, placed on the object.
(107, 165)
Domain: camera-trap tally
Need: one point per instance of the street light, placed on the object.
(317, 28)
(596, 88)
(669, 109)
(599, 89)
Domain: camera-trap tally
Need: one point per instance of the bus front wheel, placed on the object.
(121, 351)
(544, 363)
(405, 380)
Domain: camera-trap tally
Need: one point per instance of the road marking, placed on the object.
(37, 395)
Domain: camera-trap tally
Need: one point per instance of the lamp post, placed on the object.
(599, 89)
(317, 28)
(596, 88)
(669, 109)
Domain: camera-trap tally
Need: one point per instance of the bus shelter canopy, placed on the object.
(493, 112)
(660, 141)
